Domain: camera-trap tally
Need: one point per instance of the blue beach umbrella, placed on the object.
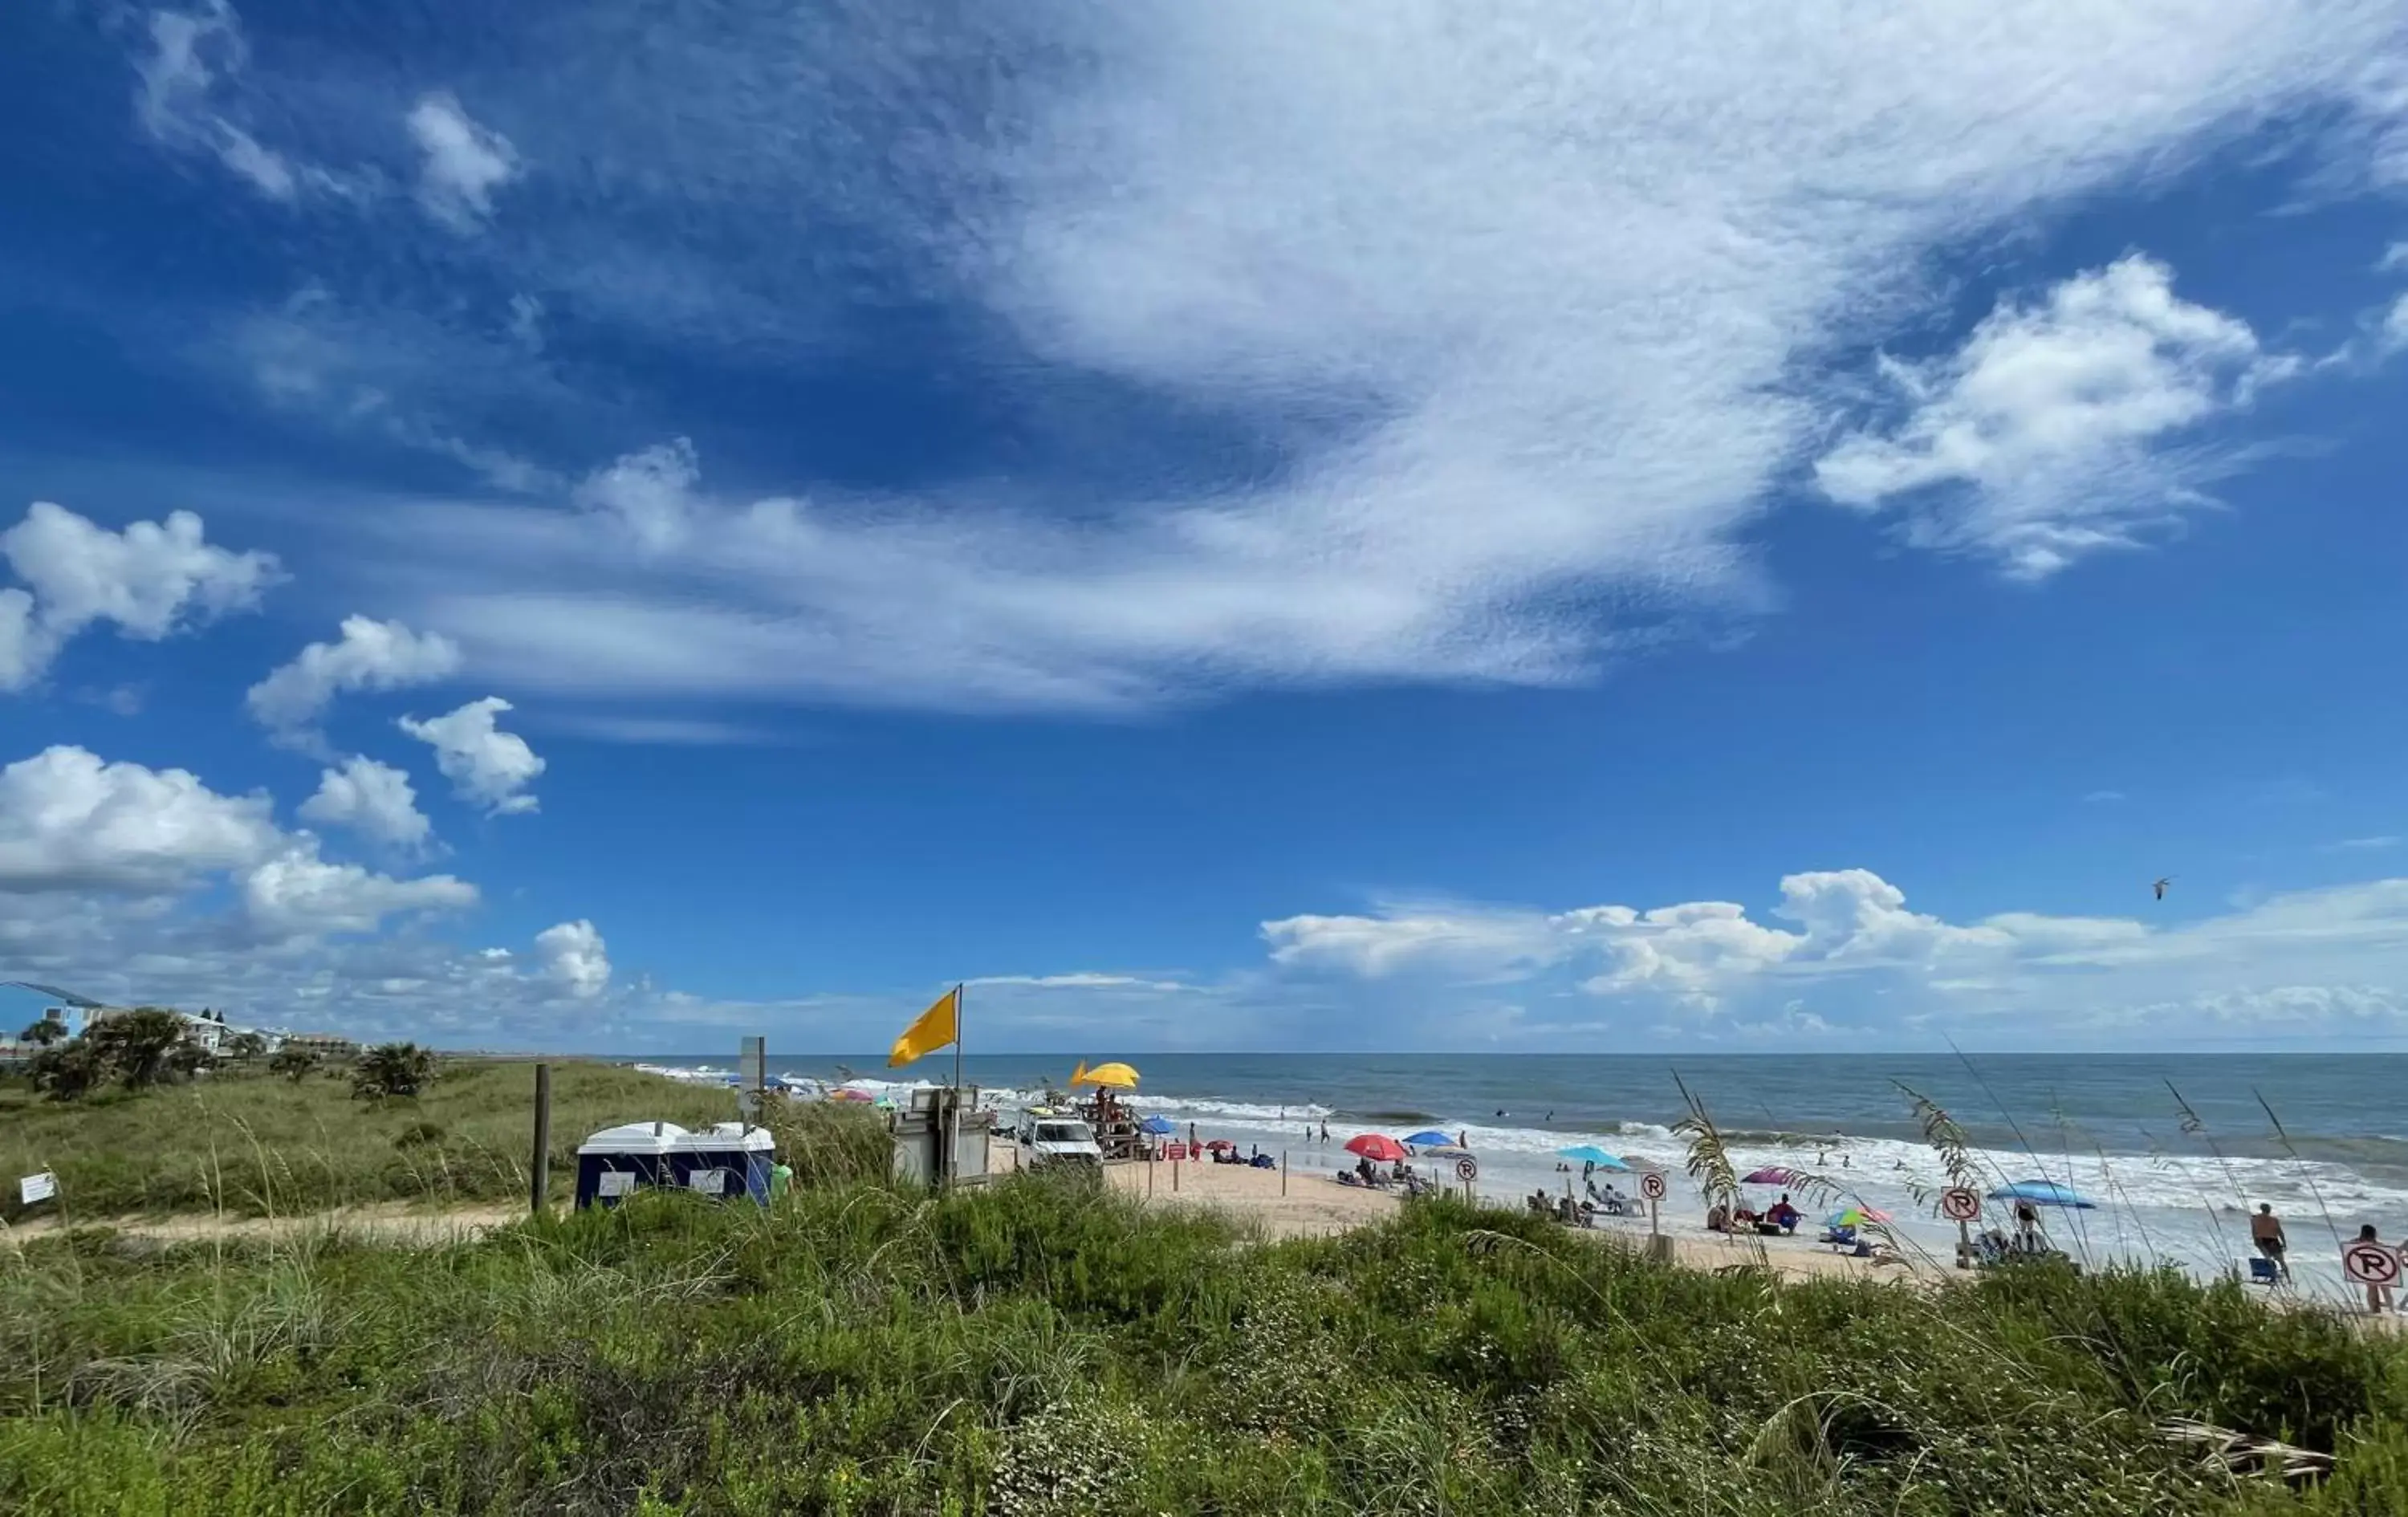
(1159, 1125)
(1591, 1154)
(2041, 1193)
(1430, 1137)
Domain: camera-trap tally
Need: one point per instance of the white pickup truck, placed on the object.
(1052, 1142)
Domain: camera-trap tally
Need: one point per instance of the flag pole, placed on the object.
(953, 1147)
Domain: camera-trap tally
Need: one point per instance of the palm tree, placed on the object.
(292, 1063)
(392, 1069)
(133, 1045)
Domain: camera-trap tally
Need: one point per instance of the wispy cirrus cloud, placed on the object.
(1533, 333)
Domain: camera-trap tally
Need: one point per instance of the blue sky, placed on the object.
(1265, 527)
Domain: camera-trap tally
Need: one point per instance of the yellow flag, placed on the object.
(937, 1026)
(1078, 1074)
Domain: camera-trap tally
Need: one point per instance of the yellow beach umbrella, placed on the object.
(1117, 1076)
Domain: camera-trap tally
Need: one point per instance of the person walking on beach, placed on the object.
(1325, 1129)
(2266, 1231)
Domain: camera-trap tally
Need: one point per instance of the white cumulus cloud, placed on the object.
(69, 820)
(371, 655)
(463, 163)
(1852, 957)
(75, 827)
(572, 955)
(150, 581)
(484, 763)
(373, 799)
(297, 894)
(133, 884)
(2056, 431)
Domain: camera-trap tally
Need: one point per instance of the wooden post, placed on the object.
(1282, 1171)
(1174, 1176)
(540, 1184)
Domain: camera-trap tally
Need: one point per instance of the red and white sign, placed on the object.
(1959, 1204)
(2371, 1263)
(1175, 1153)
(1466, 1169)
(1652, 1187)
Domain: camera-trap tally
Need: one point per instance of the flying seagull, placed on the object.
(2160, 886)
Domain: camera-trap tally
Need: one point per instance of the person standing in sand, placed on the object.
(2266, 1231)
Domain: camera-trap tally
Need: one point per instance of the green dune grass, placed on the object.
(254, 1144)
(1042, 1348)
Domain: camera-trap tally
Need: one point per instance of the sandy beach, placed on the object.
(1315, 1205)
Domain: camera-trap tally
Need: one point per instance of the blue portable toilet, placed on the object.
(731, 1159)
(612, 1163)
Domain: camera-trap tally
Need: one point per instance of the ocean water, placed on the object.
(2322, 1138)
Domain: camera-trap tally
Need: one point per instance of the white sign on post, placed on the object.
(1466, 1169)
(1652, 1187)
(41, 1187)
(1959, 1204)
(2371, 1263)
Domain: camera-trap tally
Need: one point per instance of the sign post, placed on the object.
(2374, 1266)
(1651, 1185)
(1466, 1169)
(752, 1076)
(539, 1171)
(41, 1187)
(1961, 1205)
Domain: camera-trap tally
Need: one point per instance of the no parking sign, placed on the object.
(2371, 1263)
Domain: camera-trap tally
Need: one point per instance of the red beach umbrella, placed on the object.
(1377, 1147)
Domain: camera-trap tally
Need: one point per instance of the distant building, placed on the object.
(204, 1032)
(323, 1045)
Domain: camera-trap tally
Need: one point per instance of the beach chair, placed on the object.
(2262, 1272)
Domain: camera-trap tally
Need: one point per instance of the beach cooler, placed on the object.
(729, 1161)
(613, 1162)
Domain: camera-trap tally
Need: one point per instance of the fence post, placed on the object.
(1282, 1171)
(541, 1170)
